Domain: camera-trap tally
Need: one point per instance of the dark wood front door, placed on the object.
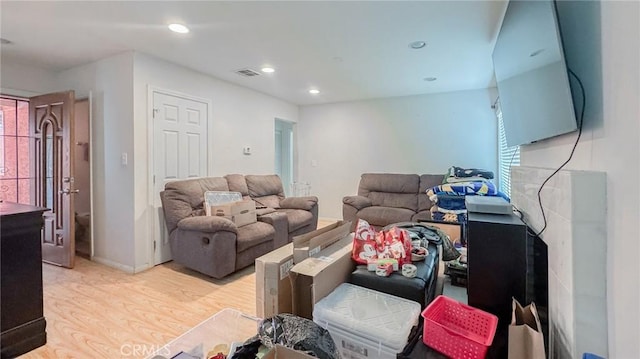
(51, 126)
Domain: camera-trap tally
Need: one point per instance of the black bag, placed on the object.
(431, 234)
(292, 332)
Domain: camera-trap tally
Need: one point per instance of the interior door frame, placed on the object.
(151, 89)
(92, 218)
(26, 95)
(290, 127)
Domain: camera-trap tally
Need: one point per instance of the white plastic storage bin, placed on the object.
(366, 324)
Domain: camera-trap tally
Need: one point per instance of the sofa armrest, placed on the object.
(279, 222)
(357, 202)
(207, 224)
(305, 203)
(264, 211)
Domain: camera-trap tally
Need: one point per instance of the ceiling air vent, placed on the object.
(247, 72)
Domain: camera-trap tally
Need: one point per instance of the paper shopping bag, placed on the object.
(526, 340)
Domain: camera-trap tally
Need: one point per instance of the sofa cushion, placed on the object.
(380, 216)
(426, 182)
(207, 224)
(237, 183)
(185, 198)
(297, 218)
(253, 234)
(305, 203)
(390, 189)
(264, 185)
(422, 215)
(397, 200)
(266, 190)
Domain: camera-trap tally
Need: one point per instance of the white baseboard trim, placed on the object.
(112, 264)
(329, 219)
(142, 268)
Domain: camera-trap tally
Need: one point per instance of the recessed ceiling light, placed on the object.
(430, 79)
(314, 91)
(417, 44)
(268, 69)
(179, 28)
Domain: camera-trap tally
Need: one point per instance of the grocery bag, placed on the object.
(526, 340)
(394, 243)
(364, 243)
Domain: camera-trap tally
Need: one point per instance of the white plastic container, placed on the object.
(366, 324)
(214, 198)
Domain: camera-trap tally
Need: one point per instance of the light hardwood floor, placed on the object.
(94, 311)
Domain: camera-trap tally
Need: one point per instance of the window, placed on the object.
(14, 150)
(507, 156)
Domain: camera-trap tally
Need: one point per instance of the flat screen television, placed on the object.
(531, 74)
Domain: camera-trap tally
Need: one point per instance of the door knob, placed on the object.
(69, 191)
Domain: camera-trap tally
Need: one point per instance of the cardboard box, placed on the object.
(310, 244)
(273, 287)
(241, 212)
(282, 352)
(315, 277)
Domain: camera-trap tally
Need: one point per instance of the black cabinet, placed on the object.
(22, 323)
(505, 261)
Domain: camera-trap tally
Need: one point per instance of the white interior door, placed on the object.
(284, 153)
(179, 152)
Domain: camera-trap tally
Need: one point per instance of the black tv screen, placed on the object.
(531, 74)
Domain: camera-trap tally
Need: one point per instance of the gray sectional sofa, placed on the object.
(386, 198)
(217, 247)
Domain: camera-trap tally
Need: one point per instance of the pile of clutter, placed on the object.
(396, 246)
(449, 197)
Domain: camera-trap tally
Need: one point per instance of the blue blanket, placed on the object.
(462, 189)
(450, 202)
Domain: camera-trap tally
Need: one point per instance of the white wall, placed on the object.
(119, 86)
(240, 117)
(111, 82)
(576, 239)
(22, 80)
(609, 144)
(423, 134)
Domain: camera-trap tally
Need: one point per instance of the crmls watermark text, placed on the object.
(142, 350)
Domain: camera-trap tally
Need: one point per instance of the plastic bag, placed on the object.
(364, 243)
(293, 332)
(394, 243)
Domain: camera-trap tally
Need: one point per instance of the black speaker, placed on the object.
(499, 263)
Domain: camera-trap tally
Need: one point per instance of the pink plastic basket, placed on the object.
(458, 330)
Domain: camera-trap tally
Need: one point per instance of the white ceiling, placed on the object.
(348, 50)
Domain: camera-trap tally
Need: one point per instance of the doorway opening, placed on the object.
(18, 158)
(284, 153)
(82, 179)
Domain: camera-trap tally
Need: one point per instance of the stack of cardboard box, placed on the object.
(292, 278)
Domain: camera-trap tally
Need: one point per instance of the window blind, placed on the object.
(507, 156)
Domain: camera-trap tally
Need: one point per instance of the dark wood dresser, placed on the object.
(22, 324)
